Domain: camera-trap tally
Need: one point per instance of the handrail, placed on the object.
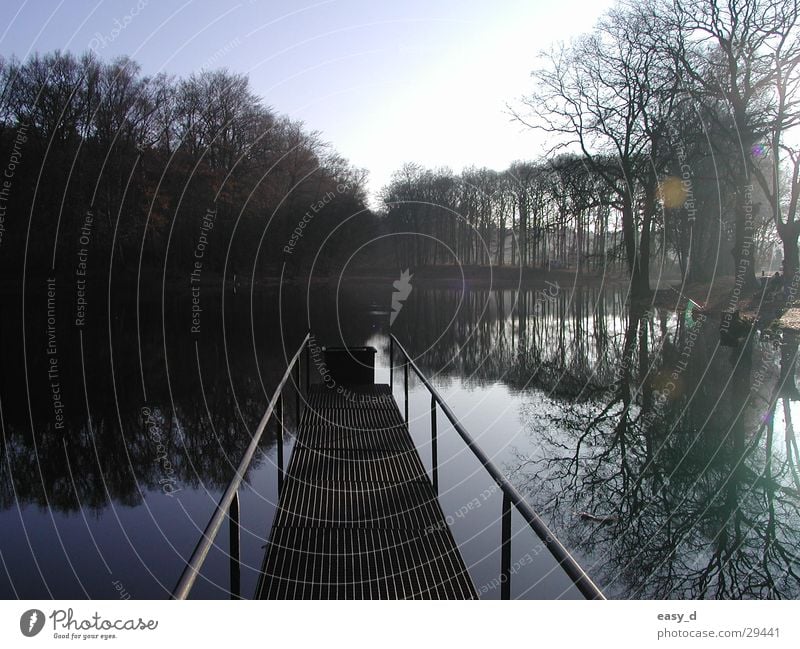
(203, 547)
(579, 577)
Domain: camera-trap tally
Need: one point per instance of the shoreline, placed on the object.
(470, 277)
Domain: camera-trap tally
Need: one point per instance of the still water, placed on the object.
(667, 463)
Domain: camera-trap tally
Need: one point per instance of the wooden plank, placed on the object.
(358, 518)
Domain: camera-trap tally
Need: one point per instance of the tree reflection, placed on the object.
(204, 394)
(672, 485)
(549, 338)
(669, 464)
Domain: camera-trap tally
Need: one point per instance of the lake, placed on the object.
(665, 462)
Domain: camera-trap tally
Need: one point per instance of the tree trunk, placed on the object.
(523, 230)
(787, 387)
(743, 248)
(629, 233)
(641, 287)
(789, 232)
(638, 260)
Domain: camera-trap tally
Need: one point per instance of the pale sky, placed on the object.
(385, 82)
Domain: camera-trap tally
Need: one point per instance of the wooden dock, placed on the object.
(357, 516)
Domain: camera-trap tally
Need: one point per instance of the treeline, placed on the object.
(532, 214)
(668, 127)
(550, 214)
(153, 173)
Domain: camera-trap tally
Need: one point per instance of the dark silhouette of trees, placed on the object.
(147, 157)
(546, 214)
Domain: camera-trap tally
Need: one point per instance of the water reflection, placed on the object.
(675, 483)
(121, 453)
(668, 463)
(546, 338)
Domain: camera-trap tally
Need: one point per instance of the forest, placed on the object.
(125, 169)
(670, 143)
(670, 135)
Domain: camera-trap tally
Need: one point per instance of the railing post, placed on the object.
(405, 381)
(279, 421)
(391, 362)
(235, 550)
(434, 459)
(505, 550)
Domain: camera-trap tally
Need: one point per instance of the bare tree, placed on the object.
(610, 94)
(740, 59)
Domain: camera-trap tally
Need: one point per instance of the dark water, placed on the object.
(683, 451)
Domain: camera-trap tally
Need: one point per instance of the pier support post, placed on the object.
(297, 394)
(234, 547)
(279, 428)
(434, 458)
(405, 381)
(308, 366)
(391, 362)
(505, 550)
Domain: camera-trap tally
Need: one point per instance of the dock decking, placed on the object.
(357, 516)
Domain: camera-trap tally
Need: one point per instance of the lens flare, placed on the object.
(672, 191)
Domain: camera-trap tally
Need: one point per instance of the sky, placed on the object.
(384, 82)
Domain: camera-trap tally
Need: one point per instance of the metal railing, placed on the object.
(510, 495)
(228, 506)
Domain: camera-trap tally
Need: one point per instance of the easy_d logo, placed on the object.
(31, 622)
